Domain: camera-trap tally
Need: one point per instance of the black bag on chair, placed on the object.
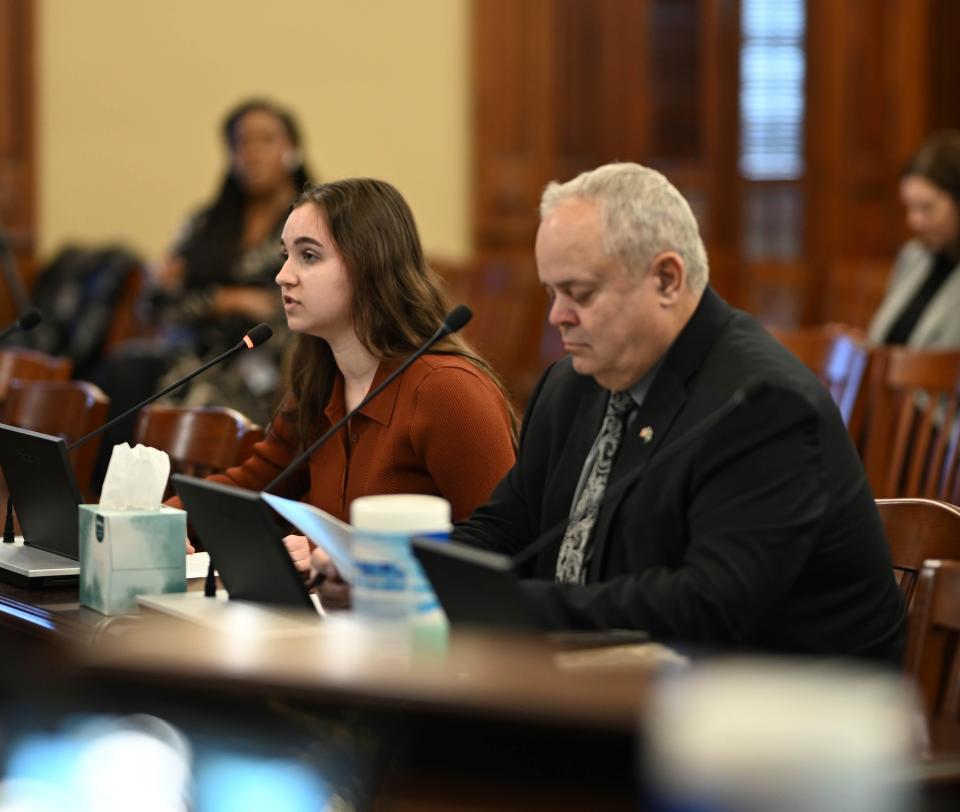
(77, 293)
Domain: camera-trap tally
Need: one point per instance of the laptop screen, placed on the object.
(475, 587)
(43, 489)
(245, 542)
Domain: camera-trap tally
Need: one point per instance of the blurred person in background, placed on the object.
(217, 282)
(920, 307)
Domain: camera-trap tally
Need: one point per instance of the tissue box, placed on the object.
(125, 553)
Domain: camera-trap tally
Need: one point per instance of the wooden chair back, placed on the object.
(917, 530)
(199, 441)
(21, 364)
(838, 357)
(933, 646)
(910, 428)
(128, 321)
(69, 409)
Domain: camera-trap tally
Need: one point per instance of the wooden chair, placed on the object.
(69, 409)
(910, 429)
(21, 364)
(199, 441)
(932, 658)
(917, 530)
(837, 356)
(127, 321)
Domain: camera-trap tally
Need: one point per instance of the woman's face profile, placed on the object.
(932, 213)
(314, 282)
(260, 152)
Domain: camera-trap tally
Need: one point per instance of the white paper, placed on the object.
(136, 478)
(333, 536)
(197, 565)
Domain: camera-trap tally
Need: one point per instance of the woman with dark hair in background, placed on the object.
(921, 307)
(219, 279)
(361, 298)
(216, 283)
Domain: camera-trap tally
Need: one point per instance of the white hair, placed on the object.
(643, 215)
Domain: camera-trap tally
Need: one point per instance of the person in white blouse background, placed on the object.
(921, 307)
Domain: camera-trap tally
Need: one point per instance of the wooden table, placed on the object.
(485, 721)
(481, 722)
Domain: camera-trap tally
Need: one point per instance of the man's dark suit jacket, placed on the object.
(760, 533)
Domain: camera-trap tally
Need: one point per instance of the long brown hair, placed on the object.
(397, 301)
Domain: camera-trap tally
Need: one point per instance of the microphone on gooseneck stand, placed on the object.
(254, 338)
(455, 320)
(27, 321)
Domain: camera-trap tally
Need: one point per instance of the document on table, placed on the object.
(197, 565)
(333, 536)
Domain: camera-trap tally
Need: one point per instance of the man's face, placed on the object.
(614, 322)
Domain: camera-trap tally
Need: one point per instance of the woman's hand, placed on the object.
(190, 548)
(334, 591)
(299, 549)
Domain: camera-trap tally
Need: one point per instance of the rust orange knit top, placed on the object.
(441, 428)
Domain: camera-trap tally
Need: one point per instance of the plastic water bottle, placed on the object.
(388, 582)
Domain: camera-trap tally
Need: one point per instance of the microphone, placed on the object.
(254, 338)
(454, 321)
(27, 321)
(741, 395)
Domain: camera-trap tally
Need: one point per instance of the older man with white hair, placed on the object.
(754, 526)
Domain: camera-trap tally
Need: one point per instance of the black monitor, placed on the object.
(245, 542)
(480, 588)
(43, 489)
(475, 587)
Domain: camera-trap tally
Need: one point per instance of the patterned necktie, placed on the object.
(572, 561)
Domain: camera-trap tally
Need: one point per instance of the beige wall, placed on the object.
(131, 96)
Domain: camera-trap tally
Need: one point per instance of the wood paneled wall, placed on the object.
(561, 86)
(868, 93)
(17, 147)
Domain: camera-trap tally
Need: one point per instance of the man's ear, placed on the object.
(670, 275)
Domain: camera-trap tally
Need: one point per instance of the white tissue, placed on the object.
(136, 478)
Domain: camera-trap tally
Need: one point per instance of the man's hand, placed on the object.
(190, 548)
(334, 591)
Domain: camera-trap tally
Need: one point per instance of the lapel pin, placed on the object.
(646, 434)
